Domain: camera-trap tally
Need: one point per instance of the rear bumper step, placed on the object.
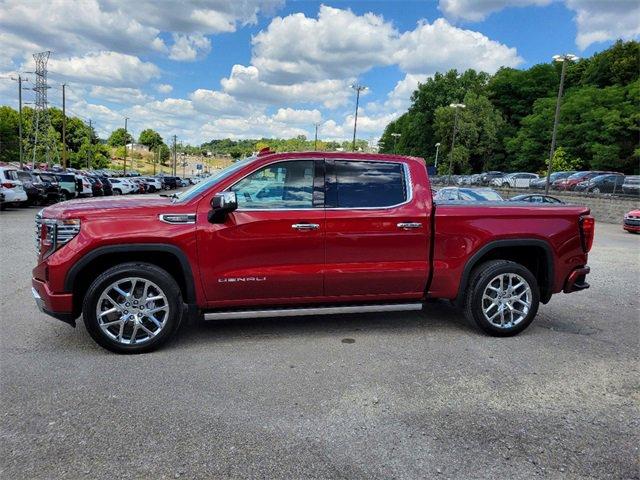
(296, 312)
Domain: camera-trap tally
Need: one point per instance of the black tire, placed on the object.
(117, 191)
(480, 278)
(146, 271)
(152, 189)
(505, 185)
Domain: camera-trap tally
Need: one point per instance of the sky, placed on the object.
(206, 69)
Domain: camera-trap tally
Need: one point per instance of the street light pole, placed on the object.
(567, 57)
(395, 138)
(436, 164)
(455, 106)
(358, 88)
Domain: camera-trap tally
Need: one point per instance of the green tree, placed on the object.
(119, 137)
(150, 139)
(478, 130)
(9, 136)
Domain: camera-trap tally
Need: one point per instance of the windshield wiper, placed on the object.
(173, 195)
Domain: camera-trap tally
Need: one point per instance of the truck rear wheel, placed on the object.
(503, 298)
(133, 308)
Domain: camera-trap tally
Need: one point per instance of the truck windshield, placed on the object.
(201, 187)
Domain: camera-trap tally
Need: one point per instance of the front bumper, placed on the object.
(57, 305)
(576, 280)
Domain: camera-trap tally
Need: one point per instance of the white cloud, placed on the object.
(103, 68)
(440, 46)
(297, 117)
(189, 47)
(596, 20)
(164, 88)
(121, 95)
(246, 84)
(73, 28)
(476, 11)
(599, 21)
(337, 44)
(398, 99)
(217, 103)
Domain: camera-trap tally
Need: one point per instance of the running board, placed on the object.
(296, 312)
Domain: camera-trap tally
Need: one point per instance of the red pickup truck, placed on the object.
(302, 234)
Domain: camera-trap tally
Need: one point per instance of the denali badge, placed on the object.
(241, 279)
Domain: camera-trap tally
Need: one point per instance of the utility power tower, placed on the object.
(43, 120)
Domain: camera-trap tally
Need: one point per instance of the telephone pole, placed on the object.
(125, 145)
(20, 80)
(64, 127)
(358, 88)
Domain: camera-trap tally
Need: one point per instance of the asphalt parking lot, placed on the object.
(404, 395)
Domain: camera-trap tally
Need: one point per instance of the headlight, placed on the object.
(54, 233)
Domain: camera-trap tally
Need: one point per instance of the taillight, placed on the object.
(587, 231)
(8, 184)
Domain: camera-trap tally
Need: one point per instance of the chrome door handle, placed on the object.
(305, 226)
(409, 225)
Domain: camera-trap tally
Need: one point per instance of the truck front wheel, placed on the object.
(503, 298)
(132, 308)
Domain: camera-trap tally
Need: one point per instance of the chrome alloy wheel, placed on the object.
(132, 310)
(506, 300)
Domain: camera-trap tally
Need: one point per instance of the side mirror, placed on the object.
(222, 204)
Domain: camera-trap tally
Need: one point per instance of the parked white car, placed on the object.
(515, 180)
(12, 188)
(122, 186)
(153, 184)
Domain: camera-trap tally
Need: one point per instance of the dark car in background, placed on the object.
(169, 183)
(107, 190)
(535, 198)
(631, 185)
(541, 183)
(51, 187)
(96, 186)
(36, 193)
(487, 177)
(608, 183)
(467, 194)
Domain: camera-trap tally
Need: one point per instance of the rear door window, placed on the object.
(365, 184)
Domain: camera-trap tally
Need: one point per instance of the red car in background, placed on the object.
(631, 222)
(571, 181)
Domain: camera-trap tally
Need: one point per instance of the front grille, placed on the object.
(632, 221)
(38, 230)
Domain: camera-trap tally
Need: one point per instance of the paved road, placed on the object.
(409, 396)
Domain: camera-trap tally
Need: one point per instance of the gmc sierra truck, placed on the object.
(302, 234)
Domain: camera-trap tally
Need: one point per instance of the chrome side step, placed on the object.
(296, 312)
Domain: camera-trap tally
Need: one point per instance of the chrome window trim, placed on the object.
(408, 192)
(405, 169)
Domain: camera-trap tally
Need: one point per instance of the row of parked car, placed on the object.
(590, 181)
(41, 187)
